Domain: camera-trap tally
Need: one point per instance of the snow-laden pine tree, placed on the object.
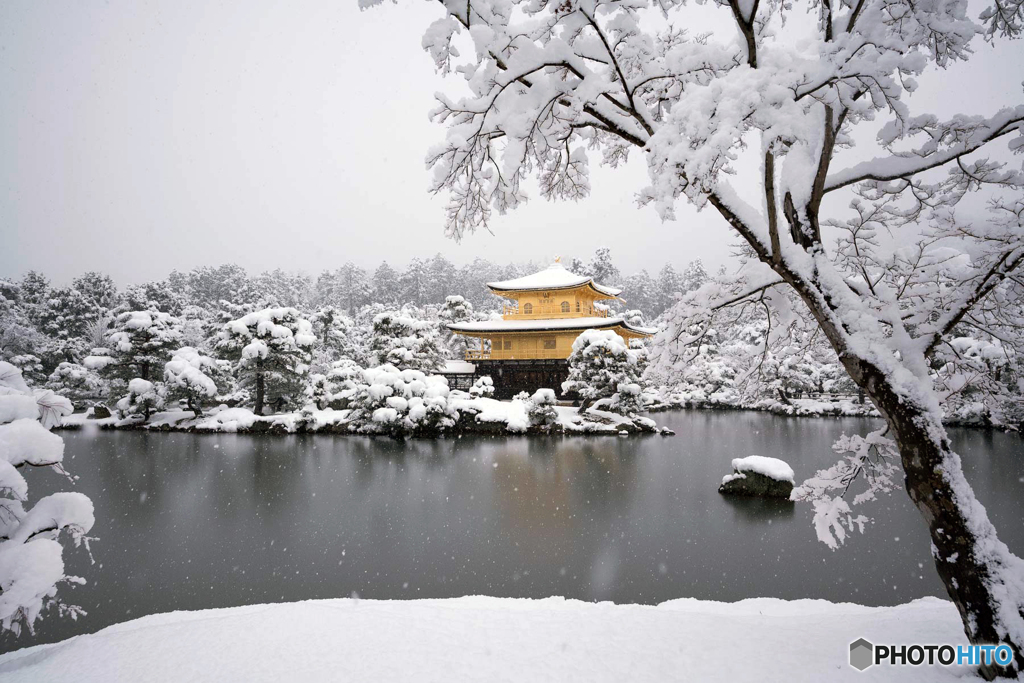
(548, 85)
(402, 339)
(333, 337)
(67, 317)
(271, 352)
(141, 342)
(455, 310)
(602, 366)
(192, 377)
(31, 549)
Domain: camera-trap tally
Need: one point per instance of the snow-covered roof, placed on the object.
(546, 325)
(554, 276)
(458, 367)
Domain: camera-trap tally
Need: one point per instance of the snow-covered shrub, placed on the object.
(271, 352)
(540, 408)
(386, 400)
(31, 368)
(76, 382)
(192, 377)
(600, 362)
(31, 553)
(143, 399)
(483, 387)
(406, 342)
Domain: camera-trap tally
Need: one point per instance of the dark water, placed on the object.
(195, 521)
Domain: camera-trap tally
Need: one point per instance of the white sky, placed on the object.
(141, 137)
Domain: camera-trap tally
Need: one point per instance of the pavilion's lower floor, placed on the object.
(513, 376)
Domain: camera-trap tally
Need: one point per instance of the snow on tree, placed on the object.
(580, 267)
(601, 366)
(385, 285)
(602, 269)
(67, 316)
(455, 310)
(160, 296)
(641, 290)
(550, 84)
(271, 352)
(406, 342)
(483, 387)
(670, 286)
(192, 377)
(334, 341)
(35, 288)
(98, 289)
(31, 549)
(386, 400)
(207, 286)
(694, 275)
(347, 287)
(141, 342)
(540, 408)
(279, 288)
(31, 368)
(77, 383)
(335, 388)
(142, 400)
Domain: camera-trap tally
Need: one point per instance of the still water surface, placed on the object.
(194, 521)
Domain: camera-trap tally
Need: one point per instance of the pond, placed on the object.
(190, 521)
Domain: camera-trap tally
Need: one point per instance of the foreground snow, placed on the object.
(497, 639)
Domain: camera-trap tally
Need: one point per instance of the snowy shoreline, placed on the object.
(811, 407)
(480, 638)
(479, 416)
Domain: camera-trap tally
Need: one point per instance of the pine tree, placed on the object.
(602, 366)
(405, 342)
(141, 342)
(271, 352)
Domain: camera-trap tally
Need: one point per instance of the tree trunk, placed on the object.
(260, 387)
(980, 574)
(982, 577)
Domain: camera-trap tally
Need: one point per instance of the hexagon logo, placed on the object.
(861, 654)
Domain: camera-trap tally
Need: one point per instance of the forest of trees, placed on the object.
(199, 336)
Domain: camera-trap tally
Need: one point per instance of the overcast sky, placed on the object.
(141, 137)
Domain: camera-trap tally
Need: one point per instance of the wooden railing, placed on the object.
(502, 354)
(551, 312)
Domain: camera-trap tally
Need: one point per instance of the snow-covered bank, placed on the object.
(964, 414)
(825, 406)
(469, 415)
(498, 639)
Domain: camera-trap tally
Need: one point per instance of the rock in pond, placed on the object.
(757, 475)
(99, 412)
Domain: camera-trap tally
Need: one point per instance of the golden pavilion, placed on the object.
(546, 312)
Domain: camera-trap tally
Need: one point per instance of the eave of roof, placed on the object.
(554, 277)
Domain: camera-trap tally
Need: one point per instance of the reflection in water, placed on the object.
(192, 521)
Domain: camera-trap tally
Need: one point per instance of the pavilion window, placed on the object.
(528, 309)
(550, 344)
(508, 344)
(565, 307)
(577, 306)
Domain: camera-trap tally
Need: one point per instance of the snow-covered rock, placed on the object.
(757, 475)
